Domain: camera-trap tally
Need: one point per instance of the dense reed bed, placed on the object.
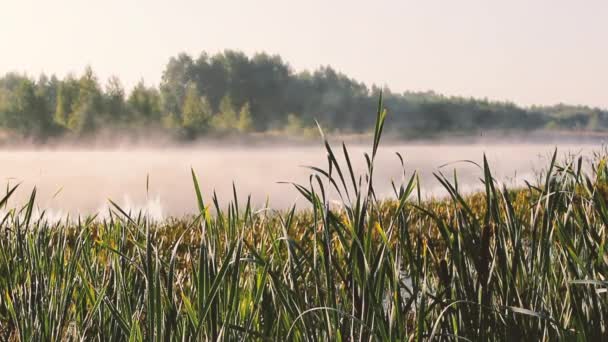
(503, 264)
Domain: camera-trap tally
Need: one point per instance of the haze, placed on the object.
(529, 52)
(80, 182)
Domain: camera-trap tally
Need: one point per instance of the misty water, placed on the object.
(80, 182)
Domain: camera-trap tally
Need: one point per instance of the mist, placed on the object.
(157, 181)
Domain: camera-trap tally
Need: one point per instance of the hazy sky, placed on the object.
(530, 52)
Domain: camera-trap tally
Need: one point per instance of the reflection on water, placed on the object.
(81, 182)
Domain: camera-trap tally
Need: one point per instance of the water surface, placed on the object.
(81, 181)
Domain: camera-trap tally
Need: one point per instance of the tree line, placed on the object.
(232, 93)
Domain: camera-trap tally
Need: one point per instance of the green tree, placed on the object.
(88, 104)
(245, 122)
(25, 111)
(226, 120)
(178, 73)
(196, 111)
(67, 93)
(46, 90)
(145, 105)
(115, 107)
(62, 108)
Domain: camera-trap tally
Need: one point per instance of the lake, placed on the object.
(77, 181)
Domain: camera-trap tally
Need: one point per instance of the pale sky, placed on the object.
(526, 51)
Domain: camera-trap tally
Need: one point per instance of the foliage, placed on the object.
(226, 119)
(144, 104)
(196, 111)
(296, 127)
(245, 123)
(230, 93)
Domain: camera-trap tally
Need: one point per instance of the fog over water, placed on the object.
(78, 181)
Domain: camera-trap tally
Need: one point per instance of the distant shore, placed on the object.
(267, 139)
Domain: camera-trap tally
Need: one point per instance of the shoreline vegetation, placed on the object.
(502, 264)
(231, 94)
(109, 140)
